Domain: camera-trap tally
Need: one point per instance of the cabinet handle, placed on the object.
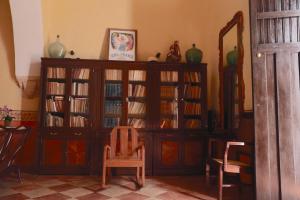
(78, 133)
(53, 133)
(70, 98)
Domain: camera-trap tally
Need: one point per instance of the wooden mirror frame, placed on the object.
(236, 20)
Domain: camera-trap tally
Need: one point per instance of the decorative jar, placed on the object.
(57, 49)
(232, 57)
(193, 55)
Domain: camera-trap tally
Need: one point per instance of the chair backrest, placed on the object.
(228, 144)
(15, 144)
(123, 141)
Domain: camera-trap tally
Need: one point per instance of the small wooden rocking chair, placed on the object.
(128, 154)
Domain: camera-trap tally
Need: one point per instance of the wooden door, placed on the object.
(275, 49)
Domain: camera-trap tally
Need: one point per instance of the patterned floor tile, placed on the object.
(26, 187)
(76, 192)
(132, 196)
(7, 191)
(62, 187)
(17, 196)
(151, 191)
(56, 196)
(38, 192)
(93, 196)
(114, 191)
(176, 196)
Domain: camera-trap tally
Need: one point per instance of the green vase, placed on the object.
(232, 57)
(57, 49)
(193, 55)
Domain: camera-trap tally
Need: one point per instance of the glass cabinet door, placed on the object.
(192, 100)
(136, 98)
(79, 99)
(55, 97)
(169, 99)
(113, 98)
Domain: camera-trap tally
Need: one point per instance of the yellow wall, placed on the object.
(83, 24)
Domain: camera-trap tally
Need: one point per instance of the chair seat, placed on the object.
(124, 162)
(232, 162)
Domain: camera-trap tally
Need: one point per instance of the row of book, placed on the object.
(137, 75)
(54, 121)
(136, 108)
(111, 122)
(192, 77)
(136, 90)
(169, 107)
(168, 91)
(193, 123)
(136, 123)
(79, 105)
(192, 92)
(53, 105)
(192, 108)
(113, 90)
(78, 121)
(80, 89)
(56, 88)
(82, 73)
(169, 76)
(56, 72)
(113, 74)
(168, 123)
(113, 107)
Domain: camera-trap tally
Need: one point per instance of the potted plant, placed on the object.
(5, 112)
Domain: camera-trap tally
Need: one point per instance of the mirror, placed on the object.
(231, 56)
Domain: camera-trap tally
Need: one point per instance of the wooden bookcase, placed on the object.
(81, 100)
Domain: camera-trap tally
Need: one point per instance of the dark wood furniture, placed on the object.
(124, 151)
(81, 100)
(15, 141)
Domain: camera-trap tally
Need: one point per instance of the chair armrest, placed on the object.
(232, 143)
(107, 152)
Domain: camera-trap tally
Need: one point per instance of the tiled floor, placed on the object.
(122, 188)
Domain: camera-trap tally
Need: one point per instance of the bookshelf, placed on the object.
(81, 100)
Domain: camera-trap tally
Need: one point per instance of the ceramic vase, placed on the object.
(57, 49)
(193, 55)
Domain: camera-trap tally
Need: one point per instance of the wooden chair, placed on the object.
(124, 151)
(14, 144)
(229, 166)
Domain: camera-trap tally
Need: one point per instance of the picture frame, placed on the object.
(122, 44)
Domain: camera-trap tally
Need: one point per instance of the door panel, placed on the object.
(275, 49)
(169, 153)
(53, 153)
(76, 152)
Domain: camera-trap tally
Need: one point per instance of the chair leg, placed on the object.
(103, 176)
(220, 182)
(19, 173)
(143, 175)
(207, 172)
(138, 179)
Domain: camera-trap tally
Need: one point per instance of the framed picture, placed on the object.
(122, 44)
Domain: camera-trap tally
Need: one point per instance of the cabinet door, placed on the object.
(168, 94)
(52, 153)
(79, 98)
(77, 154)
(55, 97)
(192, 102)
(167, 154)
(113, 97)
(137, 104)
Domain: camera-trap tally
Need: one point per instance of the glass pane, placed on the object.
(168, 76)
(192, 100)
(79, 101)
(137, 98)
(113, 98)
(169, 99)
(193, 77)
(55, 91)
